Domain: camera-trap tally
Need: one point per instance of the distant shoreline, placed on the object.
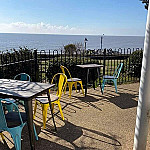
(76, 34)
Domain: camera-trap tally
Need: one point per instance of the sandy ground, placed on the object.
(95, 122)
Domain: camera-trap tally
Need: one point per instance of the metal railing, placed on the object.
(42, 65)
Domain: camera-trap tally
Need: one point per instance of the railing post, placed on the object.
(36, 65)
(104, 58)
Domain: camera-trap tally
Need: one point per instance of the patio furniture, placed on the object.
(13, 122)
(87, 68)
(26, 91)
(112, 78)
(71, 81)
(22, 77)
(55, 99)
(2, 135)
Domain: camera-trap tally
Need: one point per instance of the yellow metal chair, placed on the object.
(2, 136)
(55, 99)
(71, 81)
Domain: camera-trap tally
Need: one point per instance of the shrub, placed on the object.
(70, 48)
(74, 70)
(136, 63)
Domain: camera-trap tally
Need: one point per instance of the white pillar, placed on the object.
(143, 109)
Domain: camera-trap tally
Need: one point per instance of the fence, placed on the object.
(42, 65)
(49, 62)
(14, 62)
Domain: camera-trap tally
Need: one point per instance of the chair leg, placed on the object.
(2, 136)
(75, 85)
(65, 89)
(35, 107)
(53, 107)
(70, 88)
(103, 85)
(61, 113)
(44, 111)
(81, 87)
(16, 136)
(115, 83)
(35, 133)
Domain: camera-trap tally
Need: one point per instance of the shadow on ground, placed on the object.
(124, 100)
(90, 101)
(70, 133)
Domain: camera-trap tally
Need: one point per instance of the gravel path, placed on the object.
(95, 122)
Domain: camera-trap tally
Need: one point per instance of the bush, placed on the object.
(75, 71)
(136, 63)
(17, 62)
(70, 48)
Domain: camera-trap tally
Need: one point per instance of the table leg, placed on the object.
(93, 78)
(29, 112)
(48, 94)
(86, 81)
(98, 72)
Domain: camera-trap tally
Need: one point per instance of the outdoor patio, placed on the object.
(100, 122)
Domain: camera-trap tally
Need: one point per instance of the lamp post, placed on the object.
(85, 40)
(102, 41)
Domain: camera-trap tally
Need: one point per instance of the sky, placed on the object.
(87, 17)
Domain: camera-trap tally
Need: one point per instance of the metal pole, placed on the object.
(36, 65)
(104, 62)
(143, 109)
(85, 45)
(85, 40)
(102, 41)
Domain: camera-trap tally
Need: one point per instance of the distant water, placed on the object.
(51, 42)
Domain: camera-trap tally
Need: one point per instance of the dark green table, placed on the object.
(88, 67)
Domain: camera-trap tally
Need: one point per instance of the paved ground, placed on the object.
(95, 122)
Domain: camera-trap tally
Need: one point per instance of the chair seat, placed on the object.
(44, 99)
(73, 79)
(13, 119)
(6, 102)
(109, 77)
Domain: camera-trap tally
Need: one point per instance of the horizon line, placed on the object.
(67, 34)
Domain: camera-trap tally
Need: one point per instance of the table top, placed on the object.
(90, 66)
(23, 90)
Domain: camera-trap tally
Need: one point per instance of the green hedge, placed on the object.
(75, 71)
(136, 63)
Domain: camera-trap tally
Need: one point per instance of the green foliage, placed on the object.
(17, 61)
(70, 48)
(136, 63)
(75, 71)
(146, 2)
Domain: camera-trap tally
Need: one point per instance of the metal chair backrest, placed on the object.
(61, 82)
(3, 123)
(63, 68)
(22, 77)
(118, 70)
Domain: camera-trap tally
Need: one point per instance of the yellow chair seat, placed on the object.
(73, 80)
(44, 100)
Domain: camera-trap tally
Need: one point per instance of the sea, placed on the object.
(47, 42)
